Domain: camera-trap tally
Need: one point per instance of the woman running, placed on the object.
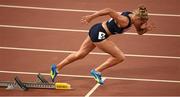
(98, 37)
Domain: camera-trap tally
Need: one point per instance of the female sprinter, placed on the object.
(98, 37)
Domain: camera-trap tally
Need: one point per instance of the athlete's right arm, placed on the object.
(143, 28)
(107, 11)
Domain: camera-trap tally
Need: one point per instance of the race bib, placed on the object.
(101, 35)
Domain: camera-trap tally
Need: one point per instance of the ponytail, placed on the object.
(142, 12)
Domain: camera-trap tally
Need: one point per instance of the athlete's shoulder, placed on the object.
(126, 13)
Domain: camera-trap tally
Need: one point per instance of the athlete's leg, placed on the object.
(86, 47)
(117, 55)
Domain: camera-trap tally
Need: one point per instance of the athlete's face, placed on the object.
(140, 21)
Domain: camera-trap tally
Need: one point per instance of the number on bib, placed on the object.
(101, 35)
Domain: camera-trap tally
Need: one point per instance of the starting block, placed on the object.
(41, 84)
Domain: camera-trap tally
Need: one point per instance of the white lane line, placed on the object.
(41, 28)
(75, 30)
(74, 10)
(93, 53)
(45, 8)
(84, 76)
(94, 88)
(144, 80)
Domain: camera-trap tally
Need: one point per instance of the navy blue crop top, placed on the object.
(113, 26)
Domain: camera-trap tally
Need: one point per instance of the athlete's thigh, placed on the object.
(87, 45)
(109, 47)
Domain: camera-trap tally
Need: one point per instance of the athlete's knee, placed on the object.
(120, 58)
(80, 55)
(123, 57)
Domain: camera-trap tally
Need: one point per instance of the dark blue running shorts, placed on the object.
(97, 33)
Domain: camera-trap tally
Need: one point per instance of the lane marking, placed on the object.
(74, 10)
(42, 28)
(93, 53)
(145, 80)
(75, 30)
(84, 76)
(46, 8)
(94, 88)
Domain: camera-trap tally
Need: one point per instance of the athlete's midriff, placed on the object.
(106, 28)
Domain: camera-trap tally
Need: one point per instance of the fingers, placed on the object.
(85, 20)
(152, 26)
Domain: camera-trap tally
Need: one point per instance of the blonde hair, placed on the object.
(142, 12)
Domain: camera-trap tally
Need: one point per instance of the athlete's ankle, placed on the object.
(98, 70)
(57, 70)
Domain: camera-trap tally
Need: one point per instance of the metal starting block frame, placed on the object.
(41, 84)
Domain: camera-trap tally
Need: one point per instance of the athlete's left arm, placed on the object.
(107, 11)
